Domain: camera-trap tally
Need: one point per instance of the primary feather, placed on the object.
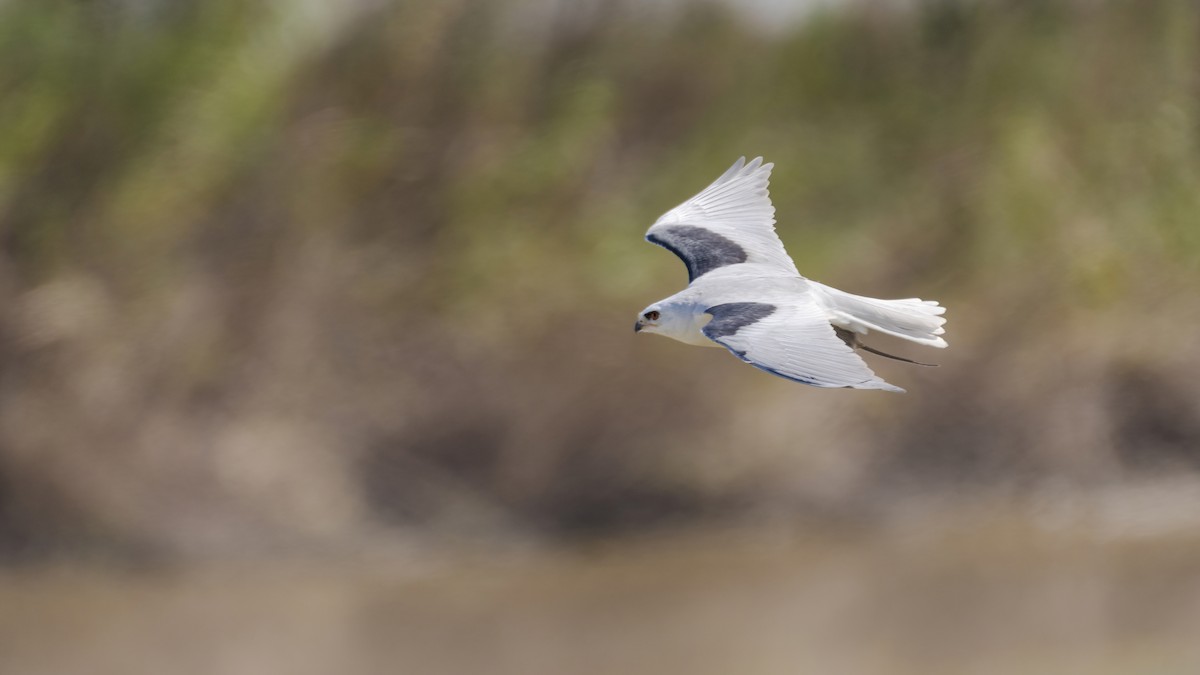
(736, 207)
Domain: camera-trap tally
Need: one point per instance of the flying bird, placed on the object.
(745, 294)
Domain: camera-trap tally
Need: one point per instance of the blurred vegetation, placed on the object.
(293, 274)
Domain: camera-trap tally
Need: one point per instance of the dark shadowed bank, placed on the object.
(283, 277)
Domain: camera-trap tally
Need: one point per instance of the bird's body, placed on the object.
(746, 295)
(690, 306)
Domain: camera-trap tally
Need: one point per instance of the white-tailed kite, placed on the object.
(746, 295)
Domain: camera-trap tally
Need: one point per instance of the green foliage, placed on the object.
(992, 127)
(270, 208)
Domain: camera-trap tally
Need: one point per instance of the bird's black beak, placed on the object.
(637, 327)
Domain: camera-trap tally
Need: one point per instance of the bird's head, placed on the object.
(650, 320)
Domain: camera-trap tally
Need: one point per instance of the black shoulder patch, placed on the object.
(701, 250)
(731, 317)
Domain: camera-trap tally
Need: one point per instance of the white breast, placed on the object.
(683, 318)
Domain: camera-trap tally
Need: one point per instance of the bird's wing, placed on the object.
(731, 221)
(793, 340)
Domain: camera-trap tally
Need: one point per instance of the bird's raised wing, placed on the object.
(731, 222)
(793, 340)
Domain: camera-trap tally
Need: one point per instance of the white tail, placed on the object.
(911, 319)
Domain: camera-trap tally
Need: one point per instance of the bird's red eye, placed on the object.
(652, 316)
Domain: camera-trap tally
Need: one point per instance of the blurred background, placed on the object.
(315, 348)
